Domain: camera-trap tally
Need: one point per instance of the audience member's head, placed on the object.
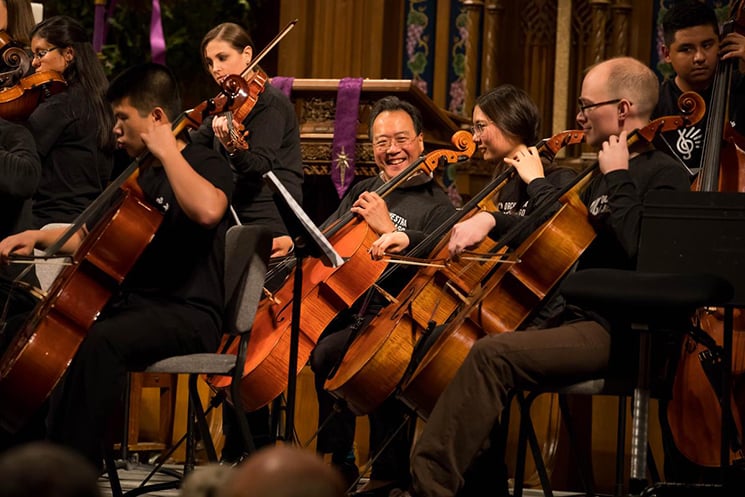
(206, 481)
(282, 471)
(41, 469)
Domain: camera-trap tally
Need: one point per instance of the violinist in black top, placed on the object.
(72, 128)
(272, 135)
(271, 132)
(694, 48)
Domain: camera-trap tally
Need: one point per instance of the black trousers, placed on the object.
(337, 435)
(131, 334)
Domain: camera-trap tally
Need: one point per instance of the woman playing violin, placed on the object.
(72, 128)
(171, 302)
(272, 130)
(617, 96)
(273, 140)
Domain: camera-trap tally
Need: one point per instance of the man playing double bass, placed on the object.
(617, 97)
(171, 302)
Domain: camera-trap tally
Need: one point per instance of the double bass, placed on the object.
(694, 412)
(38, 355)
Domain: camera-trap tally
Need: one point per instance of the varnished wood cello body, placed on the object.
(375, 362)
(41, 351)
(326, 292)
(433, 369)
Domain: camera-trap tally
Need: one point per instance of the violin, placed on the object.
(19, 101)
(694, 412)
(14, 60)
(255, 79)
(255, 87)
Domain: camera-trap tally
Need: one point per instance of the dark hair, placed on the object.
(687, 14)
(84, 71)
(20, 20)
(388, 104)
(40, 468)
(147, 86)
(228, 31)
(513, 112)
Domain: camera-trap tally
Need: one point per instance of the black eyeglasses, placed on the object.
(582, 108)
(42, 53)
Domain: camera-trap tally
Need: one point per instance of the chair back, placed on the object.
(247, 250)
(695, 232)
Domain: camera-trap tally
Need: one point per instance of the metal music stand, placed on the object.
(309, 242)
(700, 232)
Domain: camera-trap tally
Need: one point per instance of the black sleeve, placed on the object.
(264, 141)
(49, 120)
(540, 191)
(625, 202)
(436, 217)
(20, 168)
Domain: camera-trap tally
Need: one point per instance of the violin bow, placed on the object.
(255, 61)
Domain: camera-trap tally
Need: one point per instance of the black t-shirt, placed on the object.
(614, 204)
(185, 261)
(416, 207)
(74, 170)
(273, 145)
(686, 144)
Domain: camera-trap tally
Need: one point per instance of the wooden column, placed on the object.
(598, 40)
(474, 9)
(562, 66)
(493, 16)
(538, 21)
(621, 15)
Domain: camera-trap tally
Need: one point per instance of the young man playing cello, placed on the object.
(617, 97)
(171, 302)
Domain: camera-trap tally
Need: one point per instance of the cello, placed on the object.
(694, 412)
(326, 292)
(564, 236)
(376, 360)
(39, 354)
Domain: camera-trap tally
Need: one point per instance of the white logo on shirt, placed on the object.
(689, 139)
(599, 205)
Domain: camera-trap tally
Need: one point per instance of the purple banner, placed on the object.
(345, 133)
(157, 39)
(99, 19)
(284, 84)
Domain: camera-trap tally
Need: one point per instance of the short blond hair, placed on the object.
(632, 79)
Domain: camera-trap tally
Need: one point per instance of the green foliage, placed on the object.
(184, 24)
